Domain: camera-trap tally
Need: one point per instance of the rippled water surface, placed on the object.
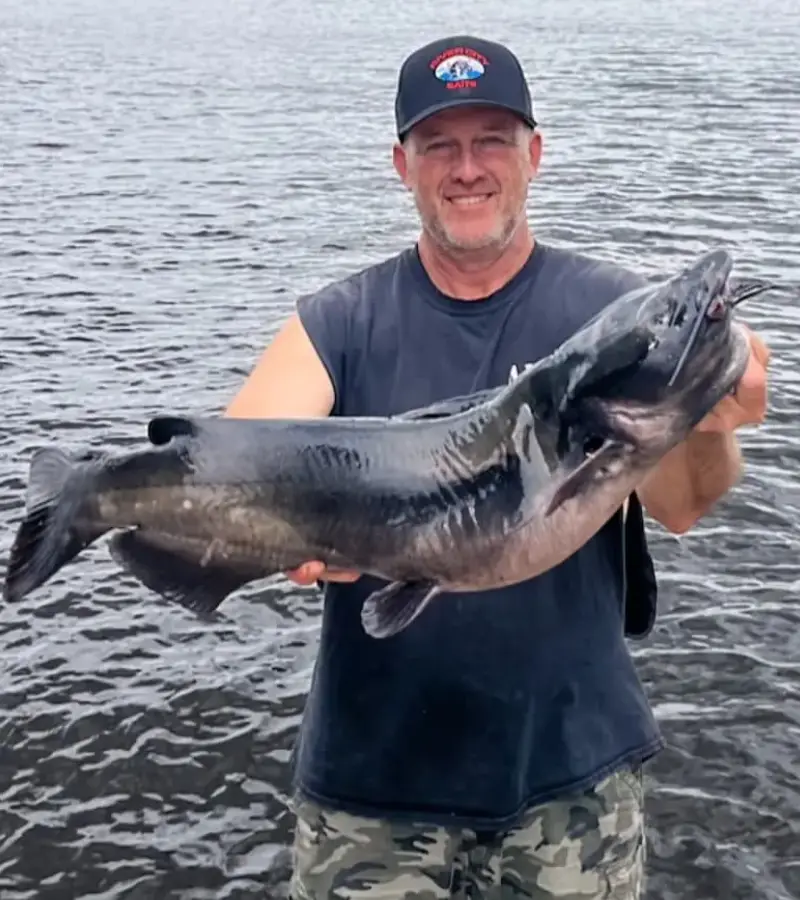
(173, 175)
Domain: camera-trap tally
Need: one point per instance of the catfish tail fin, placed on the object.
(52, 532)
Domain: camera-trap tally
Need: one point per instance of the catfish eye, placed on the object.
(592, 444)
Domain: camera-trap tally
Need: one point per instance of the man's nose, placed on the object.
(466, 167)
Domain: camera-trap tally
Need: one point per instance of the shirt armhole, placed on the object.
(640, 586)
(324, 316)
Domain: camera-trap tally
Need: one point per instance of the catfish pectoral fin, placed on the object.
(579, 480)
(393, 608)
(198, 587)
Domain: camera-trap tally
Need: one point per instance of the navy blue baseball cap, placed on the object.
(457, 71)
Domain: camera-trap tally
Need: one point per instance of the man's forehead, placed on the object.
(474, 117)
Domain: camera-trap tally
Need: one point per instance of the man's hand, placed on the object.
(748, 404)
(311, 572)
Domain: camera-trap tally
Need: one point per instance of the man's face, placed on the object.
(469, 169)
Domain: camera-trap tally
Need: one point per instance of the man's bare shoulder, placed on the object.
(299, 372)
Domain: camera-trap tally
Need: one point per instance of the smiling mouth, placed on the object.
(471, 200)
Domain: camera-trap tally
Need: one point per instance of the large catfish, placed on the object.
(472, 493)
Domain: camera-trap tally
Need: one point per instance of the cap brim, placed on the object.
(463, 101)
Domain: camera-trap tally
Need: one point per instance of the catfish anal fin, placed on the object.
(201, 588)
(393, 608)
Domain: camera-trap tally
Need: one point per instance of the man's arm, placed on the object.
(289, 381)
(691, 479)
(697, 473)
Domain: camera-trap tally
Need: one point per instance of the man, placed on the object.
(494, 747)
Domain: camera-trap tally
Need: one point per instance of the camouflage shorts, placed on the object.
(584, 847)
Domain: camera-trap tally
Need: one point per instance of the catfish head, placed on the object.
(624, 414)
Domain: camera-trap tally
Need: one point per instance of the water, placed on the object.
(173, 175)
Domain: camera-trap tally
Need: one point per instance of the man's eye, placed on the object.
(495, 140)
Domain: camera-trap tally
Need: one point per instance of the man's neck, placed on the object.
(473, 276)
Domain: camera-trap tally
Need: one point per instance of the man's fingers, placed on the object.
(306, 574)
(758, 347)
(314, 571)
(342, 575)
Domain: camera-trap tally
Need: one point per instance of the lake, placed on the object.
(173, 177)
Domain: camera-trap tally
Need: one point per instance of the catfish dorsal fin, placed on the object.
(451, 406)
(602, 347)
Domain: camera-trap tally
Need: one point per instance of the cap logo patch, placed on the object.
(459, 67)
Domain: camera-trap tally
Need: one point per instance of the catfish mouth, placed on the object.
(704, 303)
(703, 300)
(687, 341)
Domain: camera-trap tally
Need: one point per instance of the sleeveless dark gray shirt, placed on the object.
(488, 702)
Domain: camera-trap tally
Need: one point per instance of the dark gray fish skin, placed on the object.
(472, 493)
